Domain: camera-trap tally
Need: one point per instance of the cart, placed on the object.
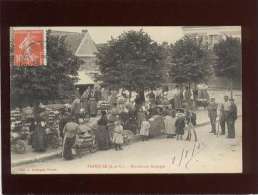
(85, 142)
(203, 96)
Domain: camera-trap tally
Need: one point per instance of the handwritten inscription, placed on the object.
(187, 155)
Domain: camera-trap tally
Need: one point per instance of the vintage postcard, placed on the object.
(126, 100)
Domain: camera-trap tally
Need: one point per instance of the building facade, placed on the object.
(82, 45)
(210, 35)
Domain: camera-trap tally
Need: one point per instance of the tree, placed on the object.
(228, 63)
(131, 62)
(32, 85)
(190, 62)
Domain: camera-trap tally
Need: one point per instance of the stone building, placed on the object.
(210, 35)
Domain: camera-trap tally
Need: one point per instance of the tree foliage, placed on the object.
(190, 62)
(31, 85)
(228, 63)
(132, 61)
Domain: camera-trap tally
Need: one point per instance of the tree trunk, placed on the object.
(36, 111)
(231, 88)
(141, 94)
(130, 95)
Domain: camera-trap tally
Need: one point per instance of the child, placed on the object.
(145, 129)
(180, 125)
(118, 135)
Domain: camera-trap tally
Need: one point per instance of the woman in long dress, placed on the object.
(170, 128)
(102, 134)
(92, 104)
(39, 137)
(140, 117)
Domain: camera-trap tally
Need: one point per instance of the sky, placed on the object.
(102, 34)
(168, 34)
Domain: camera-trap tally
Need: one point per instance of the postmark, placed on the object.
(29, 47)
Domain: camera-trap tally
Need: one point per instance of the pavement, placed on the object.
(202, 119)
(210, 154)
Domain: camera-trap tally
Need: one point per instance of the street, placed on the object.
(211, 154)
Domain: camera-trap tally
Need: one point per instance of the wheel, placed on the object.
(20, 147)
(54, 142)
(93, 148)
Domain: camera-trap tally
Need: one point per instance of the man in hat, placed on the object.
(232, 116)
(212, 113)
(224, 110)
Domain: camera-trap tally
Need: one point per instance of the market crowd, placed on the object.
(121, 114)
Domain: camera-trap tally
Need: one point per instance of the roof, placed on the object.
(80, 43)
(84, 79)
(87, 46)
(72, 39)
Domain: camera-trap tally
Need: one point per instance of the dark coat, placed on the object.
(180, 125)
(102, 134)
(39, 139)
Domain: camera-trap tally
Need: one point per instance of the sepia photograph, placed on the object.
(125, 99)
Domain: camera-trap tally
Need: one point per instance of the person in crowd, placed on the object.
(123, 115)
(102, 133)
(224, 111)
(180, 125)
(62, 122)
(70, 131)
(195, 96)
(164, 100)
(118, 135)
(39, 136)
(152, 111)
(140, 117)
(187, 96)
(92, 104)
(104, 94)
(113, 98)
(138, 102)
(169, 121)
(177, 98)
(131, 122)
(232, 116)
(212, 114)
(114, 112)
(97, 94)
(152, 98)
(158, 99)
(76, 107)
(85, 99)
(190, 121)
(145, 129)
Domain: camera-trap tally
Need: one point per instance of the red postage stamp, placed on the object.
(29, 47)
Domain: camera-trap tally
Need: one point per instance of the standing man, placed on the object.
(187, 96)
(70, 131)
(212, 113)
(224, 111)
(195, 96)
(232, 116)
(75, 109)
